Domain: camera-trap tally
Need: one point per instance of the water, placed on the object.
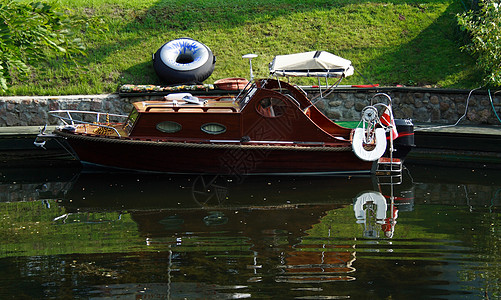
(68, 234)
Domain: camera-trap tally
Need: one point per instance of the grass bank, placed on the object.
(391, 42)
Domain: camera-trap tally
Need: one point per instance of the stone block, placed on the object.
(333, 114)
(361, 96)
(335, 103)
(359, 106)
(472, 115)
(434, 99)
(53, 105)
(418, 103)
(349, 104)
(450, 116)
(444, 106)
(96, 105)
(11, 119)
(320, 105)
(435, 115)
(421, 115)
(483, 115)
(350, 115)
(408, 112)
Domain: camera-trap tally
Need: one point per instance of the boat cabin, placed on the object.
(268, 110)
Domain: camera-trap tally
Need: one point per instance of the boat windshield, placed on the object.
(131, 120)
(246, 95)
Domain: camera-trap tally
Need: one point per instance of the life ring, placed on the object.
(357, 144)
(184, 61)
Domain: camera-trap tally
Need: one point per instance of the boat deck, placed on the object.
(221, 105)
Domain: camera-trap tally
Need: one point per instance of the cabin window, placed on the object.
(213, 128)
(169, 127)
(131, 120)
(271, 107)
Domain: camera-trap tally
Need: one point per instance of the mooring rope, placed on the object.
(460, 118)
(492, 104)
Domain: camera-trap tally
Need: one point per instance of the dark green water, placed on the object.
(66, 234)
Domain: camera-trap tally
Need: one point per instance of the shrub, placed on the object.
(484, 28)
(31, 31)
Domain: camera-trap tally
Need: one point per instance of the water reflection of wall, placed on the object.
(12, 192)
(457, 186)
(27, 183)
(458, 194)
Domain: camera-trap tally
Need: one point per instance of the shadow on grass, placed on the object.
(440, 44)
(136, 34)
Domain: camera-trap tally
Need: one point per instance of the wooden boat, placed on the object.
(271, 127)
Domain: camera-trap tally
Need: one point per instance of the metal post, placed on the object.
(250, 57)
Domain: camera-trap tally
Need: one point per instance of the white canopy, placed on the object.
(311, 64)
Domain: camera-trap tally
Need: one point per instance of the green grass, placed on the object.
(393, 42)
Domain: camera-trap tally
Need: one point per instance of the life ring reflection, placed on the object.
(370, 202)
(358, 144)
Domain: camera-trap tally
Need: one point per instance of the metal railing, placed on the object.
(69, 119)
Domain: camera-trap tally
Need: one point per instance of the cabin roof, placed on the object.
(172, 106)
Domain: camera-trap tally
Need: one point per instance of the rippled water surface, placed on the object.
(71, 234)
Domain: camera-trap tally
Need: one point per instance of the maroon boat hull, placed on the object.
(238, 159)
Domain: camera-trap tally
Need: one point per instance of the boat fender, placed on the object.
(69, 128)
(186, 97)
(177, 96)
(193, 100)
(358, 144)
(365, 198)
(39, 144)
(183, 60)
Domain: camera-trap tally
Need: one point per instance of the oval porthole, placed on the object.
(213, 128)
(169, 127)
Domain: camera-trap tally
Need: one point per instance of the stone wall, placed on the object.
(420, 105)
(34, 110)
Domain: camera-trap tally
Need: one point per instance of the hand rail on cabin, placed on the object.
(70, 118)
(203, 108)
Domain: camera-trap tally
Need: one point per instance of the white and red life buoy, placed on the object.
(358, 143)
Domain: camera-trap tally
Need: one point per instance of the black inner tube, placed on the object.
(184, 58)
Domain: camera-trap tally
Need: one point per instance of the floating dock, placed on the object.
(17, 148)
(449, 145)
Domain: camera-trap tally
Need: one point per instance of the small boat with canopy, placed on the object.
(270, 127)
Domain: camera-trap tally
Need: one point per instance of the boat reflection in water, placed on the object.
(253, 217)
(281, 210)
(157, 235)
